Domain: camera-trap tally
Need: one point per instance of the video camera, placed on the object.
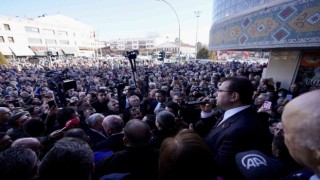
(192, 103)
(198, 102)
(196, 92)
(131, 54)
(59, 81)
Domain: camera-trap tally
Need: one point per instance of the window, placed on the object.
(31, 29)
(7, 27)
(34, 41)
(62, 33)
(1, 39)
(63, 42)
(10, 39)
(50, 41)
(48, 31)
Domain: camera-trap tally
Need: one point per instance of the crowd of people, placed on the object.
(87, 119)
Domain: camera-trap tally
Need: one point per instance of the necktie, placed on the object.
(213, 130)
(219, 120)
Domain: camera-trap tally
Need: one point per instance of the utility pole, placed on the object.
(178, 24)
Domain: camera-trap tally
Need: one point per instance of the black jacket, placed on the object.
(114, 143)
(240, 132)
(140, 162)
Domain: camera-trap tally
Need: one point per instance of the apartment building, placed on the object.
(57, 34)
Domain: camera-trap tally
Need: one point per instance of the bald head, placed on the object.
(137, 133)
(301, 122)
(302, 116)
(31, 143)
(112, 124)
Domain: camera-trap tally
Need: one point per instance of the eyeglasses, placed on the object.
(219, 90)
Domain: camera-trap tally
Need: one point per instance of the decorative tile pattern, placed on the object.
(315, 18)
(286, 13)
(261, 27)
(245, 23)
(292, 24)
(234, 33)
(243, 39)
(281, 34)
(300, 22)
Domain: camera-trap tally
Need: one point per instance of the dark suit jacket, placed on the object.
(140, 162)
(152, 104)
(101, 107)
(113, 143)
(204, 125)
(95, 138)
(241, 132)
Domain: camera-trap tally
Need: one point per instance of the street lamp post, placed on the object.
(197, 13)
(178, 24)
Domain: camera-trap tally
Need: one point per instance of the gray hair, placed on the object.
(92, 119)
(114, 122)
(166, 120)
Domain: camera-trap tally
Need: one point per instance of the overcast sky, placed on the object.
(113, 19)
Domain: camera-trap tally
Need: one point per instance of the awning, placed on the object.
(5, 50)
(20, 50)
(40, 53)
(69, 50)
(55, 51)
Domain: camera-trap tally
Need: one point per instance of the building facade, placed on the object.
(145, 46)
(173, 48)
(149, 46)
(55, 35)
(289, 29)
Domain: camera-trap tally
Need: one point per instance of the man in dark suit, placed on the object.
(238, 130)
(137, 158)
(113, 127)
(95, 131)
(161, 97)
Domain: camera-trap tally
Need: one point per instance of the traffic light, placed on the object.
(162, 55)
